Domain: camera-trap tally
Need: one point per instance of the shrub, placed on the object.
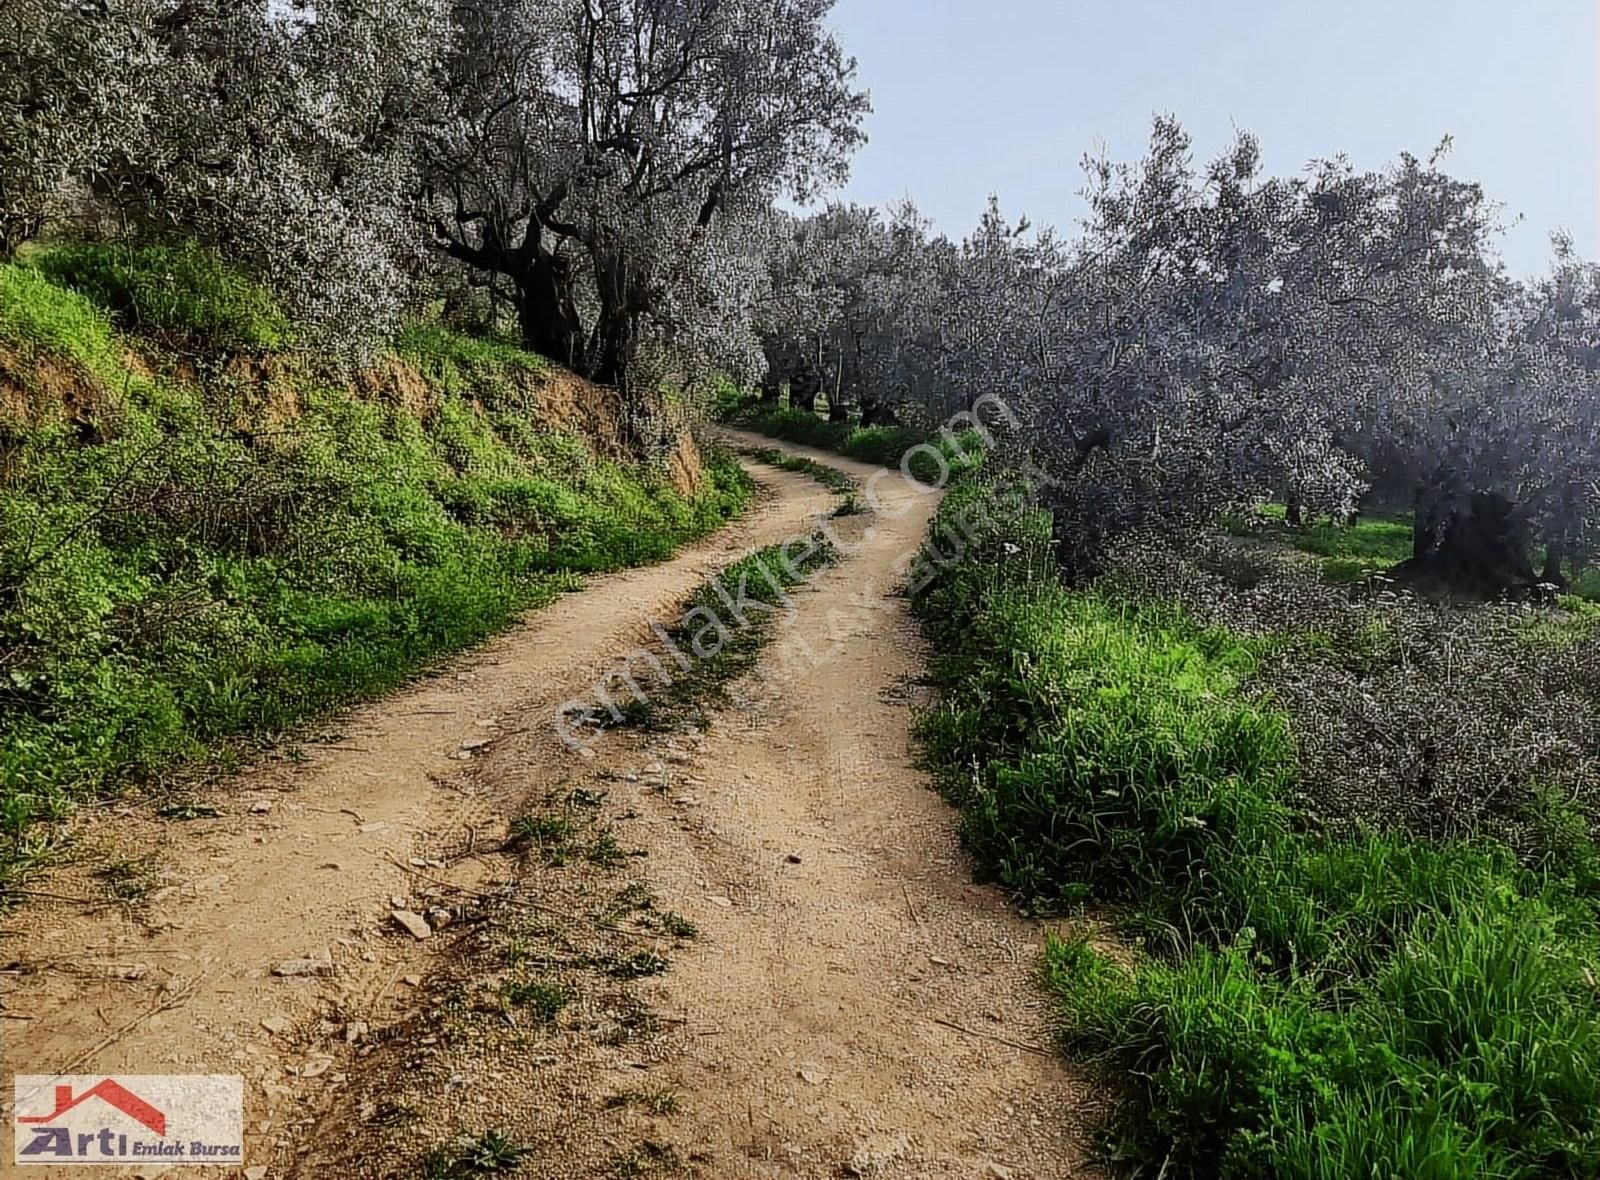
(184, 289)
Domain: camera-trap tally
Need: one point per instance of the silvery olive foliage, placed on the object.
(854, 307)
(281, 133)
(303, 157)
(1549, 386)
(1212, 336)
(1412, 714)
(590, 146)
(70, 97)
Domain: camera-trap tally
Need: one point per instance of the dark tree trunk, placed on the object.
(1424, 525)
(1478, 548)
(877, 413)
(1294, 512)
(15, 230)
(546, 313)
(611, 346)
(1552, 575)
(777, 375)
(804, 387)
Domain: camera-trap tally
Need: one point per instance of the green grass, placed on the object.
(184, 289)
(846, 487)
(491, 1153)
(1576, 620)
(1350, 553)
(1373, 544)
(541, 1001)
(930, 459)
(829, 477)
(173, 588)
(1298, 1004)
(452, 359)
(1586, 584)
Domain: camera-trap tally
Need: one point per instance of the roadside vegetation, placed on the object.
(202, 538)
(929, 457)
(1345, 840)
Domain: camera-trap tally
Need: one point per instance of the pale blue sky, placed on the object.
(974, 96)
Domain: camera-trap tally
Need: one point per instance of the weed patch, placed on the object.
(761, 580)
(541, 833)
(490, 1154)
(678, 926)
(542, 1001)
(829, 477)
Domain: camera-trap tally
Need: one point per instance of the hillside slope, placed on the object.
(206, 531)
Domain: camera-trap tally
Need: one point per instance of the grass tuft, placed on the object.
(829, 477)
(542, 1001)
(490, 1154)
(720, 648)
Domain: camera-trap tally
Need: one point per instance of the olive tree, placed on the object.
(287, 136)
(587, 143)
(72, 93)
(283, 134)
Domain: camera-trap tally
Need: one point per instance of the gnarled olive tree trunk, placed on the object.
(1477, 546)
(546, 313)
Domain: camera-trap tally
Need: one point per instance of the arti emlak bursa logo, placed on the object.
(169, 1119)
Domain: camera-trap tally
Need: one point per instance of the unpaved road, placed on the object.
(852, 1004)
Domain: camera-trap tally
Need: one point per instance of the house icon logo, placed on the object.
(170, 1120)
(112, 1092)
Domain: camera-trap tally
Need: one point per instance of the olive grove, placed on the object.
(618, 176)
(1213, 337)
(604, 157)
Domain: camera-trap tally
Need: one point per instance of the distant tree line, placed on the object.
(1212, 336)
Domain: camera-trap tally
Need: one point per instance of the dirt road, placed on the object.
(851, 1005)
